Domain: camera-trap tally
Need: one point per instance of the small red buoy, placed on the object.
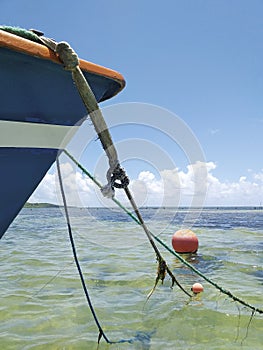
(185, 241)
(197, 288)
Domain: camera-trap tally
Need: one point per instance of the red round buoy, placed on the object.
(185, 241)
(197, 288)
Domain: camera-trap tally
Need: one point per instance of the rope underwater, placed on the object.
(178, 256)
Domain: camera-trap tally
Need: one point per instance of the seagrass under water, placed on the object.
(43, 306)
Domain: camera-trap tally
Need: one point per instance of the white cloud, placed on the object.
(79, 189)
(46, 191)
(259, 177)
(196, 185)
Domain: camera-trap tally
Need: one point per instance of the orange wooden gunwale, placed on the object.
(32, 48)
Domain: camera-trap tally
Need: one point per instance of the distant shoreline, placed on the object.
(40, 205)
(230, 207)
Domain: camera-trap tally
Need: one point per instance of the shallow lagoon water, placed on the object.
(42, 304)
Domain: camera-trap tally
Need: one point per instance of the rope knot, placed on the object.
(119, 175)
(67, 55)
(116, 178)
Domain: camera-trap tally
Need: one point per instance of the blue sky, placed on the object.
(200, 59)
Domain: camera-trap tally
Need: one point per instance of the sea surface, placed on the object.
(43, 306)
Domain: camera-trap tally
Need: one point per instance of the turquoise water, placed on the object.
(42, 304)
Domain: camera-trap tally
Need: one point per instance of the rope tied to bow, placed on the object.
(116, 175)
(70, 60)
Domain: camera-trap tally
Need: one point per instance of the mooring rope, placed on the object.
(74, 251)
(116, 175)
(102, 333)
(178, 256)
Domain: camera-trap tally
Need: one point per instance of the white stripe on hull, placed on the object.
(35, 135)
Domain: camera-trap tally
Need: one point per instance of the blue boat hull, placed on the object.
(22, 169)
(39, 107)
